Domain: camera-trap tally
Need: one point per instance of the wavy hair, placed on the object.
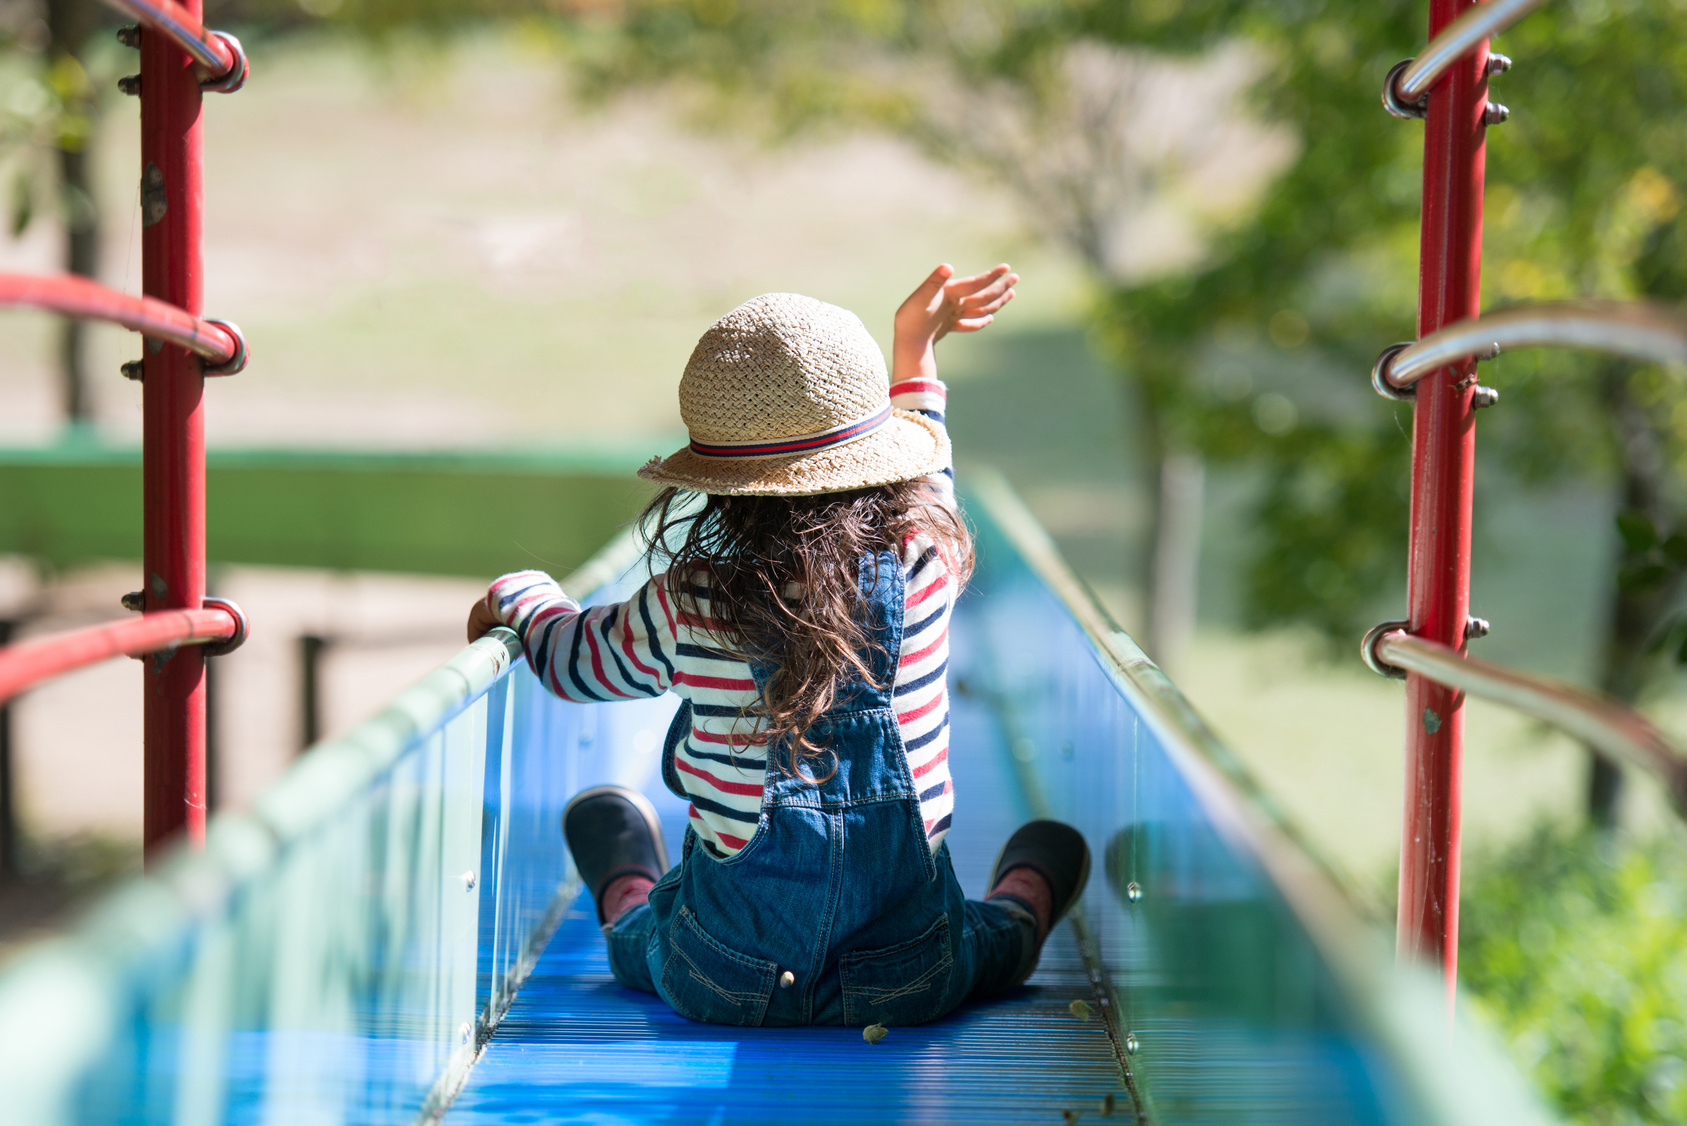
(782, 579)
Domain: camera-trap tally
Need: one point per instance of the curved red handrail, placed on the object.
(28, 663)
(79, 297)
(185, 30)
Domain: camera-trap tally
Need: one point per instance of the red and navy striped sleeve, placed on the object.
(920, 694)
(619, 651)
(928, 397)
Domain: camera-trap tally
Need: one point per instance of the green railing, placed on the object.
(443, 512)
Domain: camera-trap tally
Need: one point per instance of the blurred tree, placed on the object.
(1587, 201)
(1251, 347)
(1584, 198)
(52, 108)
(71, 23)
(1128, 158)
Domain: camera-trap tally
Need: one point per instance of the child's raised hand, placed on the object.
(943, 304)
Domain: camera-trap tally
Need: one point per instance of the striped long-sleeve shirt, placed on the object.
(648, 645)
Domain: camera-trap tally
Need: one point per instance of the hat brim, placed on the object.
(907, 446)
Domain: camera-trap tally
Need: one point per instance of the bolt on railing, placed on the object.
(1613, 728)
(218, 52)
(1408, 83)
(1634, 329)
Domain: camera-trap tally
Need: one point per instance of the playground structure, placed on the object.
(393, 933)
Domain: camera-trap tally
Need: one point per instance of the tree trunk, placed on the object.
(1635, 613)
(1174, 556)
(71, 23)
(10, 864)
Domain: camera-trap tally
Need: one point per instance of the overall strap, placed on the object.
(858, 748)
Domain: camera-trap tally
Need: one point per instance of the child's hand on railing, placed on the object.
(943, 304)
(482, 619)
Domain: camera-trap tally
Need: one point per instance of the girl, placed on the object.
(800, 609)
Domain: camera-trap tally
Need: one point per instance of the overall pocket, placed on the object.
(706, 981)
(903, 984)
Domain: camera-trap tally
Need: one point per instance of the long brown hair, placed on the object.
(783, 585)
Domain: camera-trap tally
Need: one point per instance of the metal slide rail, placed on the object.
(1635, 329)
(214, 340)
(218, 52)
(28, 663)
(1409, 82)
(1615, 729)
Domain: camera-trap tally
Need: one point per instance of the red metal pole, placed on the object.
(173, 431)
(1443, 464)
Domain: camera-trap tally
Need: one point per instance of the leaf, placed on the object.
(1675, 549)
(873, 1033)
(1642, 576)
(23, 203)
(1081, 1010)
(1681, 651)
(1637, 530)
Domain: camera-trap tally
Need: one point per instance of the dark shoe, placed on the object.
(613, 832)
(1056, 852)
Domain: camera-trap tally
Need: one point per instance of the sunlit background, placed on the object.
(497, 229)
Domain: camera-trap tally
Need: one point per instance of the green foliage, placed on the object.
(46, 105)
(1653, 564)
(1584, 190)
(797, 64)
(1577, 947)
(1335, 508)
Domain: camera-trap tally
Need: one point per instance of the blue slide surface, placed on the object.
(577, 1047)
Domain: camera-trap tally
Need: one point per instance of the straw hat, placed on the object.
(788, 395)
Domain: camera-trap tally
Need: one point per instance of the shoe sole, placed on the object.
(1061, 910)
(639, 802)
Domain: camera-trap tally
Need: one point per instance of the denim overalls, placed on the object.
(838, 888)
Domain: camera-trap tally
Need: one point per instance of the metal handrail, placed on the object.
(1627, 328)
(1456, 40)
(1605, 724)
(210, 49)
(28, 663)
(78, 297)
